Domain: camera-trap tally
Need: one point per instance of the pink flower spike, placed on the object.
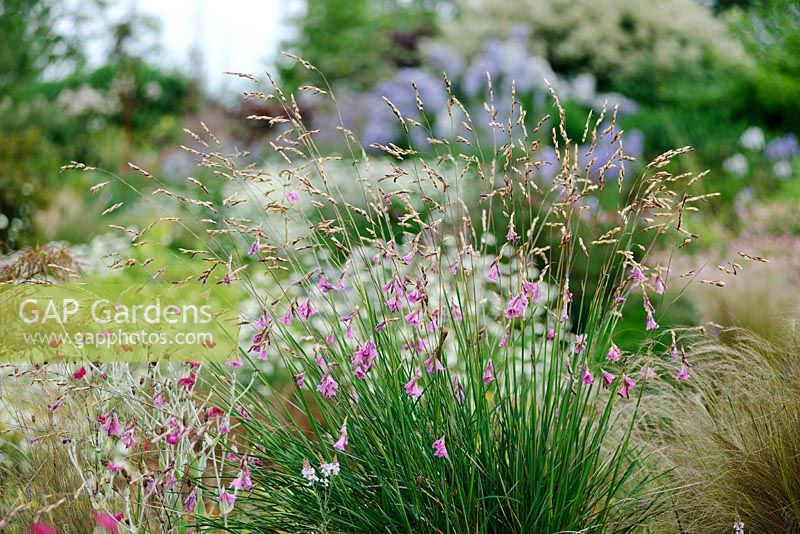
(242, 482)
(588, 377)
(394, 304)
(494, 272)
(455, 311)
(532, 290)
(412, 318)
(660, 286)
(625, 388)
(516, 306)
(613, 353)
(300, 380)
(651, 322)
(111, 424)
(511, 235)
(324, 285)
(341, 443)
(306, 309)
(580, 343)
(439, 450)
(292, 197)
(488, 374)
(228, 499)
(608, 378)
(255, 248)
(683, 374)
(57, 404)
(432, 364)
(412, 387)
(328, 386)
(190, 501)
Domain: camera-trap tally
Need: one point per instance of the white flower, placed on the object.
(738, 527)
(329, 470)
(782, 169)
(752, 138)
(309, 473)
(736, 164)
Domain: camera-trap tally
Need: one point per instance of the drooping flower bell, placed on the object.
(439, 449)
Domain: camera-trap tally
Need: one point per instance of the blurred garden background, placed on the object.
(99, 97)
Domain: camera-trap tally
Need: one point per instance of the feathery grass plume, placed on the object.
(51, 262)
(729, 436)
(428, 312)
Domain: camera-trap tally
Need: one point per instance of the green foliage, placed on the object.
(358, 42)
(27, 161)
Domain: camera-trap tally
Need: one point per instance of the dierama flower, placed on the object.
(494, 272)
(613, 353)
(412, 387)
(190, 501)
(516, 306)
(511, 235)
(608, 378)
(432, 364)
(292, 197)
(683, 374)
(412, 318)
(488, 374)
(637, 275)
(255, 248)
(625, 388)
(439, 450)
(580, 343)
(659, 285)
(551, 334)
(110, 424)
(341, 443)
(300, 380)
(242, 482)
(324, 285)
(328, 386)
(531, 290)
(587, 376)
(394, 304)
(455, 311)
(363, 358)
(306, 309)
(226, 499)
(651, 323)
